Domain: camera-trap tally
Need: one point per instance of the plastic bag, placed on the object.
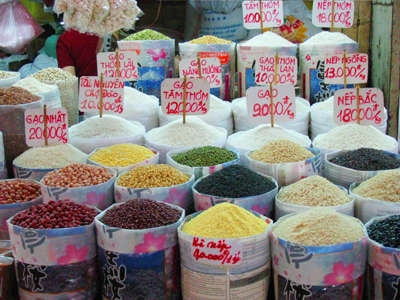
(220, 6)
(17, 27)
(42, 61)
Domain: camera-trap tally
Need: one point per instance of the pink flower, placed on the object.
(151, 243)
(308, 57)
(340, 275)
(94, 199)
(176, 197)
(276, 260)
(377, 266)
(73, 255)
(260, 210)
(118, 195)
(157, 54)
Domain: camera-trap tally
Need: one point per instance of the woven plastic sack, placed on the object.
(3, 168)
(10, 81)
(220, 6)
(17, 27)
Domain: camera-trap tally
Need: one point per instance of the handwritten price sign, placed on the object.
(272, 14)
(265, 70)
(113, 94)
(107, 64)
(356, 68)
(371, 106)
(343, 13)
(259, 104)
(56, 131)
(210, 70)
(197, 96)
(218, 252)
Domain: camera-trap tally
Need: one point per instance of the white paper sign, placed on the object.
(107, 65)
(210, 70)
(272, 14)
(265, 70)
(371, 106)
(218, 252)
(343, 13)
(57, 126)
(258, 100)
(356, 68)
(113, 94)
(197, 96)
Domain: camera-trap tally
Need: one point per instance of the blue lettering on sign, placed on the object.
(296, 254)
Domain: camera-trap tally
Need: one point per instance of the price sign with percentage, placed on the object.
(197, 96)
(113, 94)
(56, 126)
(356, 68)
(127, 62)
(210, 70)
(371, 106)
(217, 252)
(259, 104)
(286, 74)
(272, 14)
(343, 13)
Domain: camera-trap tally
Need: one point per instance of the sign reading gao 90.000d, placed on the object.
(197, 96)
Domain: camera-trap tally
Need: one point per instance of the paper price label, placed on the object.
(210, 70)
(107, 65)
(57, 126)
(371, 106)
(265, 70)
(356, 68)
(197, 96)
(272, 14)
(218, 252)
(113, 94)
(259, 104)
(343, 13)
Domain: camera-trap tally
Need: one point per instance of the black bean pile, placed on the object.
(235, 181)
(366, 159)
(141, 214)
(386, 232)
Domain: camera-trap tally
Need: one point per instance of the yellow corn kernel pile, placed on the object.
(152, 176)
(225, 220)
(121, 155)
(209, 39)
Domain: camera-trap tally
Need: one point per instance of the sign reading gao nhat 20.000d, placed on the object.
(343, 13)
(370, 107)
(210, 70)
(127, 61)
(197, 96)
(219, 252)
(356, 68)
(259, 104)
(113, 94)
(272, 14)
(56, 126)
(286, 73)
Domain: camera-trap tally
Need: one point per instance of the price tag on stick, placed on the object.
(285, 67)
(197, 96)
(210, 69)
(271, 12)
(124, 65)
(356, 65)
(341, 10)
(49, 124)
(368, 111)
(259, 106)
(112, 91)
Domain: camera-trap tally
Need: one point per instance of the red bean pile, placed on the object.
(14, 95)
(141, 214)
(55, 214)
(17, 191)
(77, 175)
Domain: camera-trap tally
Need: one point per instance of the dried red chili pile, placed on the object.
(17, 191)
(14, 95)
(141, 214)
(55, 214)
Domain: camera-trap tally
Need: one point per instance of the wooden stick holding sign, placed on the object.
(199, 65)
(117, 62)
(45, 125)
(101, 95)
(344, 69)
(333, 15)
(358, 104)
(271, 88)
(261, 15)
(184, 99)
